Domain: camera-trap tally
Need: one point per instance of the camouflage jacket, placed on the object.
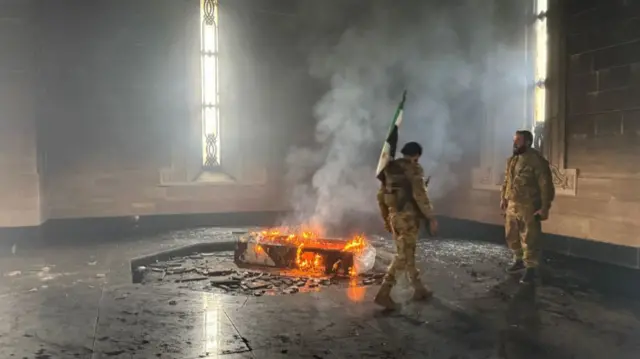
(528, 180)
(404, 190)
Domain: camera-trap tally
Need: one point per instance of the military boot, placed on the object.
(517, 266)
(529, 276)
(383, 298)
(421, 292)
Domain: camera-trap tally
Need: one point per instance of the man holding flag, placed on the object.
(403, 203)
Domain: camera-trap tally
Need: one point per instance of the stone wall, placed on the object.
(597, 55)
(603, 95)
(602, 118)
(119, 110)
(100, 107)
(19, 173)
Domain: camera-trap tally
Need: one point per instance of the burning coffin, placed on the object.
(305, 252)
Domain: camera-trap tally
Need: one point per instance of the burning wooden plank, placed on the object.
(308, 259)
(307, 253)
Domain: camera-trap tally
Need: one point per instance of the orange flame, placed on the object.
(309, 261)
(355, 244)
(310, 237)
(356, 293)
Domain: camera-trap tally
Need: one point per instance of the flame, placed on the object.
(309, 261)
(356, 293)
(310, 237)
(355, 244)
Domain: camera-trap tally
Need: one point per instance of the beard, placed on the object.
(517, 150)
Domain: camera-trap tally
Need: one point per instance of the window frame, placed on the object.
(210, 84)
(540, 71)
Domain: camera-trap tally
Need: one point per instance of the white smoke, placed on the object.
(444, 56)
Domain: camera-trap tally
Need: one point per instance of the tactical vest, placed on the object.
(398, 189)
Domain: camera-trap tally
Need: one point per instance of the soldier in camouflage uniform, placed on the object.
(526, 196)
(404, 203)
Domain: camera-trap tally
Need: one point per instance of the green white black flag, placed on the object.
(391, 142)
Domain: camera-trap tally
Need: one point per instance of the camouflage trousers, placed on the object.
(406, 227)
(522, 231)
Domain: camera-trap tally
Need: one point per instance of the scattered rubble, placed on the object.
(214, 272)
(15, 273)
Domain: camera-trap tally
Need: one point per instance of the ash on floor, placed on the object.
(217, 273)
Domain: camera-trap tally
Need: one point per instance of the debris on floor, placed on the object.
(14, 273)
(217, 272)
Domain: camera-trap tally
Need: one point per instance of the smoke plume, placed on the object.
(445, 54)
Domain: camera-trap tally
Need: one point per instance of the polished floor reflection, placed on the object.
(78, 302)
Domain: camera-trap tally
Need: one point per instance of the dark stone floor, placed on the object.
(77, 301)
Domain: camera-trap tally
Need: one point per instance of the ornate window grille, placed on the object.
(210, 83)
(540, 71)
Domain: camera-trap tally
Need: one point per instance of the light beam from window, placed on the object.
(541, 59)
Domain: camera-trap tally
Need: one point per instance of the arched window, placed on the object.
(210, 83)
